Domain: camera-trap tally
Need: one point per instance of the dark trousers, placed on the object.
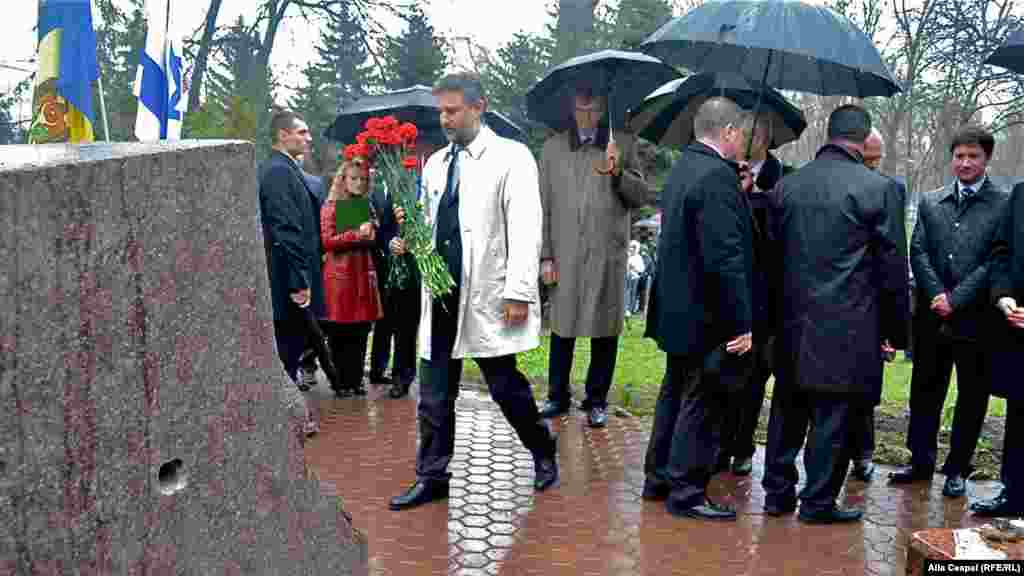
(439, 388)
(834, 421)
(1012, 472)
(686, 435)
(745, 407)
(348, 350)
(863, 434)
(603, 353)
(934, 357)
(400, 322)
(291, 338)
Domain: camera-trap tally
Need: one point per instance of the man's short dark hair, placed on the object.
(849, 122)
(282, 120)
(468, 84)
(974, 135)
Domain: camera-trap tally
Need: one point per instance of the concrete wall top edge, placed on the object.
(25, 157)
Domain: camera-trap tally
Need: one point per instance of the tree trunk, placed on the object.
(204, 54)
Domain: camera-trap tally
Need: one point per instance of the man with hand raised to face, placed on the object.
(481, 197)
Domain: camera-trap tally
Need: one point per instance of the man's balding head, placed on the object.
(874, 149)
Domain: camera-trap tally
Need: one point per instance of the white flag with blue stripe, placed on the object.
(158, 83)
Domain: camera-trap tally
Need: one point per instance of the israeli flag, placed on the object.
(158, 83)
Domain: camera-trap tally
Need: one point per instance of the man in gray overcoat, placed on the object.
(586, 237)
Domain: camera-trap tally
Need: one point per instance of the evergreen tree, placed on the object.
(343, 54)
(637, 19)
(417, 56)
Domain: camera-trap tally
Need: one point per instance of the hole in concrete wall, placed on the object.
(172, 477)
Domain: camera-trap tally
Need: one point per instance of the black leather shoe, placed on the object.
(777, 508)
(597, 417)
(422, 492)
(831, 516)
(864, 470)
(343, 392)
(654, 490)
(359, 390)
(398, 391)
(707, 510)
(997, 507)
(954, 487)
(910, 474)
(553, 409)
(380, 379)
(545, 474)
(742, 466)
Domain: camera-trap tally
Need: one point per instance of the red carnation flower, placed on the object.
(410, 162)
(408, 133)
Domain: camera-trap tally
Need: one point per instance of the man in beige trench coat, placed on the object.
(584, 254)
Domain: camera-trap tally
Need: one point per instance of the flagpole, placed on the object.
(103, 103)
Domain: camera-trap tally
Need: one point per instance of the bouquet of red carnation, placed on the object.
(392, 147)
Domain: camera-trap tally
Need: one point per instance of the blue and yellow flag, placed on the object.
(67, 69)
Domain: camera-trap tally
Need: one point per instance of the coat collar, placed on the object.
(600, 139)
(838, 152)
(698, 147)
(477, 147)
(983, 193)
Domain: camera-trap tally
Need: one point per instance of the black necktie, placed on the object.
(449, 241)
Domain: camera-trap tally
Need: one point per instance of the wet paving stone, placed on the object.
(594, 523)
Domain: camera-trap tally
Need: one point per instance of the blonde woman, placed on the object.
(350, 281)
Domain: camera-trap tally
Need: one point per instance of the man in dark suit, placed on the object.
(863, 450)
(291, 236)
(949, 252)
(1007, 293)
(307, 364)
(837, 230)
(401, 305)
(705, 263)
(760, 174)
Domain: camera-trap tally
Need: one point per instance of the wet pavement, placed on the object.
(595, 523)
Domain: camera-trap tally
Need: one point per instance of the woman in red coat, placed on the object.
(350, 281)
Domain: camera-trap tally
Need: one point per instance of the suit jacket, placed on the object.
(950, 251)
(1007, 279)
(840, 242)
(291, 234)
(387, 229)
(705, 259)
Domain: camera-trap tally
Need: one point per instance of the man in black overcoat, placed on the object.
(705, 263)
(291, 237)
(949, 251)
(401, 305)
(307, 365)
(1007, 293)
(761, 173)
(838, 230)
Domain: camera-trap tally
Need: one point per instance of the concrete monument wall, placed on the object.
(146, 426)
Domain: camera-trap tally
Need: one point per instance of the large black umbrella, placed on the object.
(786, 44)
(1010, 55)
(415, 104)
(623, 77)
(667, 117)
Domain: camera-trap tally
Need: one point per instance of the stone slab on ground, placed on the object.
(144, 419)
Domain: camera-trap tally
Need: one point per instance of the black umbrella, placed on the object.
(666, 115)
(787, 44)
(1011, 54)
(623, 77)
(415, 104)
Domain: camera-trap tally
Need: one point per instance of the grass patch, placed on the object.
(641, 365)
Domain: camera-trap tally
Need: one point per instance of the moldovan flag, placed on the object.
(158, 82)
(67, 68)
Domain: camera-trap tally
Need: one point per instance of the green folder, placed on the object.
(352, 213)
